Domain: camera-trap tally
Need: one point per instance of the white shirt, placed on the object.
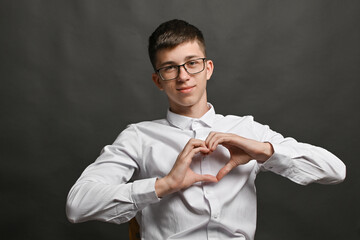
(120, 184)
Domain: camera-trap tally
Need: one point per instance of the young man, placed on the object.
(191, 175)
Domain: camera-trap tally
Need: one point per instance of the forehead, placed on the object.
(180, 53)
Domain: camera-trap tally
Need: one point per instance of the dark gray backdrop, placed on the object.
(75, 73)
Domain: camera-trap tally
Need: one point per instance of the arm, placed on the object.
(304, 163)
(300, 162)
(103, 191)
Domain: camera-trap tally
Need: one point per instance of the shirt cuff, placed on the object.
(281, 161)
(143, 192)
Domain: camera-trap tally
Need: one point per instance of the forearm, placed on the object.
(304, 163)
(89, 200)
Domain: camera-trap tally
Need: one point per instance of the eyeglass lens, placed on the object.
(192, 67)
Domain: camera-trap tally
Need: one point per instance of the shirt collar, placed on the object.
(185, 123)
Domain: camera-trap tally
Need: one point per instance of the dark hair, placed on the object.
(172, 33)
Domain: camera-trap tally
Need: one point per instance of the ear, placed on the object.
(156, 79)
(209, 69)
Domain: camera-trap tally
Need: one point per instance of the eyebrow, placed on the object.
(187, 58)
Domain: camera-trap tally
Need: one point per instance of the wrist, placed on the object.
(162, 187)
(267, 152)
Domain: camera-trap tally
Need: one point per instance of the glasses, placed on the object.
(171, 72)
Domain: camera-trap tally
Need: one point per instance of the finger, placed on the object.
(196, 150)
(215, 140)
(208, 138)
(224, 171)
(211, 140)
(205, 178)
(186, 159)
(191, 144)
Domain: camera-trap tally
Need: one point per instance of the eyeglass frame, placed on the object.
(178, 69)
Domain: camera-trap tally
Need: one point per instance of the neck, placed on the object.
(192, 111)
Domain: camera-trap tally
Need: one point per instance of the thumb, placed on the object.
(225, 170)
(205, 178)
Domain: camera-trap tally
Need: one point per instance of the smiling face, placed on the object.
(187, 93)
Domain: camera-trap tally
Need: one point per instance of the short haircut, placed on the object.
(171, 34)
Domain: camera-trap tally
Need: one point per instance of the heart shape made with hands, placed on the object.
(237, 157)
(241, 150)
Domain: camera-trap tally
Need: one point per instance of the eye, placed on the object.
(192, 63)
(169, 68)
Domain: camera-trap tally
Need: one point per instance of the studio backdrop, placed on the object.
(74, 74)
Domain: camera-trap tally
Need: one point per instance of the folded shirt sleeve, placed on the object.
(300, 162)
(105, 191)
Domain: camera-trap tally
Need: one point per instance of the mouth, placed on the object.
(185, 89)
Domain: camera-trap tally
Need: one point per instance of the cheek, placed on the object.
(168, 88)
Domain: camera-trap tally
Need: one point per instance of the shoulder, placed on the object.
(245, 126)
(148, 125)
(247, 119)
(137, 129)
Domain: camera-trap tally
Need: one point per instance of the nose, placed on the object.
(183, 74)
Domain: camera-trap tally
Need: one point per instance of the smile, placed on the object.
(185, 89)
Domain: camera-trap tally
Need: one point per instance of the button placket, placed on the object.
(201, 132)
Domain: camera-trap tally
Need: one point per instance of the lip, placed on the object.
(186, 89)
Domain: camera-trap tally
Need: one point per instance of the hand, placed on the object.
(241, 149)
(181, 176)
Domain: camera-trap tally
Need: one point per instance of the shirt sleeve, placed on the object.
(300, 162)
(104, 191)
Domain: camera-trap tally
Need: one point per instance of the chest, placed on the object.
(161, 148)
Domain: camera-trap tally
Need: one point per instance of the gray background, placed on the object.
(73, 74)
